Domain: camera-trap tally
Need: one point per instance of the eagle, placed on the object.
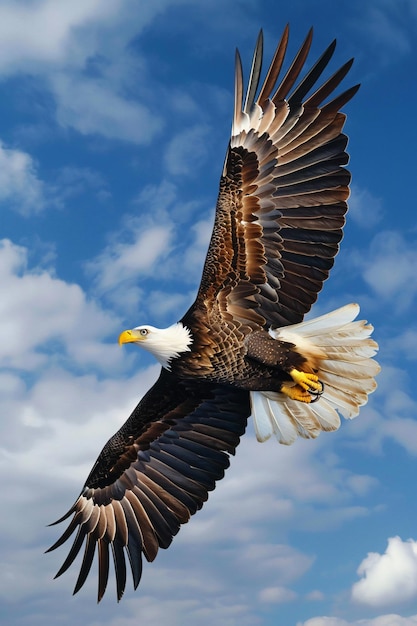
(243, 348)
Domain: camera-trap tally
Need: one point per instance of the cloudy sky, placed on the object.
(115, 116)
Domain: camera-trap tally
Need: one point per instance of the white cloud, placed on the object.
(324, 621)
(383, 29)
(76, 32)
(126, 261)
(390, 269)
(169, 304)
(68, 418)
(73, 181)
(203, 609)
(57, 41)
(20, 187)
(52, 434)
(99, 109)
(187, 150)
(41, 31)
(389, 578)
(364, 208)
(315, 596)
(158, 246)
(381, 620)
(277, 595)
(40, 309)
(279, 562)
(139, 249)
(402, 430)
(293, 488)
(405, 343)
(196, 253)
(392, 417)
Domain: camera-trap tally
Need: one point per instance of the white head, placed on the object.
(164, 343)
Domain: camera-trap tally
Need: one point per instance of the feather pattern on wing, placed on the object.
(282, 200)
(152, 475)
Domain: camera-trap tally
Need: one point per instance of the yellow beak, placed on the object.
(129, 336)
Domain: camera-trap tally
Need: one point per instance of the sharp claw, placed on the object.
(316, 393)
(315, 396)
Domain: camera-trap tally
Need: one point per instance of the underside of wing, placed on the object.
(283, 192)
(152, 475)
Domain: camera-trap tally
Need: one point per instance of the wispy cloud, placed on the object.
(21, 188)
(364, 208)
(41, 309)
(387, 28)
(99, 109)
(59, 42)
(277, 595)
(41, 33)
(123, 262)
(187, 151)
(389, 269)
(382, 620)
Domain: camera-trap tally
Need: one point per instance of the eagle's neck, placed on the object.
(168, 343)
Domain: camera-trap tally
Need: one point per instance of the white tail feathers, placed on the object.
(342, 351)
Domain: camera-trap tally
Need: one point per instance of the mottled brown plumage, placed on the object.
(278, 224)
(279, 219)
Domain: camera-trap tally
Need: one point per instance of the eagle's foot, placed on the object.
(308, 387)
(309, 382)
(295, 392)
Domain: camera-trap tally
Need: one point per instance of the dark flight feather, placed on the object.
(166, 483)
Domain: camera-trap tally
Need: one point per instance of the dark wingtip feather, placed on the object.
(119, 568)
(78, 541)
(342, 99)
(312, 76)
(295, 68)
(254, 74)
(103, 568)
(65, 535)
(90, 548)
(62, 519)
(134, 552)
(329, 86)
(274, 68)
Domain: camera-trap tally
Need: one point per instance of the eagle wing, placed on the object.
(152, 475)
(282, 199)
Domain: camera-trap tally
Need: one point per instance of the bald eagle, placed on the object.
(242, 348)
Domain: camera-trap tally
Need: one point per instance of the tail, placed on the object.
(342, 352)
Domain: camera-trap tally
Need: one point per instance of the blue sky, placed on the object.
(114, 120)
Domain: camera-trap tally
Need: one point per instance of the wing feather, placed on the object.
(103, 567)
(282, 201)
(254, 75)
(90, 548)
(143, 487)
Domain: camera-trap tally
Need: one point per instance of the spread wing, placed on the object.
(283, 192)
(152, 475)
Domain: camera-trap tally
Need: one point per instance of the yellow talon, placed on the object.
(308, 382)
(295, 392)
(308, 388)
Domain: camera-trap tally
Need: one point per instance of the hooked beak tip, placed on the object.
(126, 337)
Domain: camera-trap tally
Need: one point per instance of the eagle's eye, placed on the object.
(143, 332)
